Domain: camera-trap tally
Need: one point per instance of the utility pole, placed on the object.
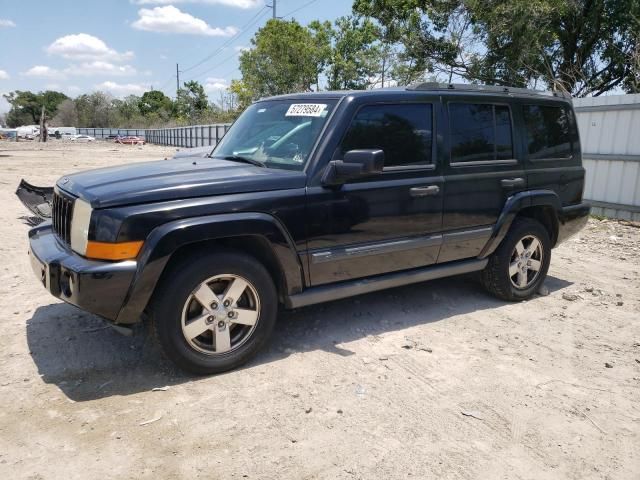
(274, 9)
(177, 79)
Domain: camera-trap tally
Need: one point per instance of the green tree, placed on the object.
(126, 112)
(191, 102)
(243, 95)
(282, 60)
(155, 102)
(95, 110)
(26, 106)
(579, 46)
(355, 54)
(67, 116)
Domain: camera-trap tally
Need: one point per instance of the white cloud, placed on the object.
(42, 71)
(244, 4)
(214, 83)
(82, 46)
(169, 19)
(121, 89)
(6, 23)
(100, 67)
(4, 75)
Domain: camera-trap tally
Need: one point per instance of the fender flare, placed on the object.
(513, 205)
(167, 238)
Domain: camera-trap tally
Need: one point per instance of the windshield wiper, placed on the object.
(238, 158)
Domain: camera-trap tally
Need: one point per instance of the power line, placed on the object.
(203, 72)
(249, 24)
(299, 8)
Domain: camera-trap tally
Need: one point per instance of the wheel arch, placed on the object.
(540, 205)
(257, 234)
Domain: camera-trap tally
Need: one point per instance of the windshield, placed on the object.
(276, 133)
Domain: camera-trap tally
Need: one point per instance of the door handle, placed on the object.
(429, 191)
(512, 182)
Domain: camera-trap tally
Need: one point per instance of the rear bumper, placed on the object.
(97, 287)
(571, 220)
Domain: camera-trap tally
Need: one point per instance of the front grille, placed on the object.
(61, 212)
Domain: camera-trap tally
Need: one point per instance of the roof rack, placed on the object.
(462, 87)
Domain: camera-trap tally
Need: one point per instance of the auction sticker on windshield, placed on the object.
(307, 110)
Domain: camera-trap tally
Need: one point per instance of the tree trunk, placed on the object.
(43, 127)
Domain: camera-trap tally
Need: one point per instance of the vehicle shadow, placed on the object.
(88, 360)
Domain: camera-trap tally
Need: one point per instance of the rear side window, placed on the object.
(480, 132)
(547, 131)
(403, 131)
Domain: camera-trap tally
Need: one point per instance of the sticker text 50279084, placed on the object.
(306, 110)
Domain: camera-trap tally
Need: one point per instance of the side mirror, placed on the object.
(356, 163)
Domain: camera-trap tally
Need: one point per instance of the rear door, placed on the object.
(484, 168)
(385, 222)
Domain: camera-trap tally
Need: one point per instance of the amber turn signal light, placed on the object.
(113, 251)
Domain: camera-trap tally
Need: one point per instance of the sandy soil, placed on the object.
(436, 380)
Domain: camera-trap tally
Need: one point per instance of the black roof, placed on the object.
(431, 87)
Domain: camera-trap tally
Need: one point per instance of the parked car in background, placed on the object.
(60, 132)
(130, 140)
(82, 138)
(361, 192)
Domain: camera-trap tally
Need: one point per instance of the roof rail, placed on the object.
(462, 87)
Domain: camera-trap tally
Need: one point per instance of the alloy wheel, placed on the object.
(220, 314)
(526, 262)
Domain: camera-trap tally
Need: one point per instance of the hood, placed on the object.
(200, 152)
(175, 179)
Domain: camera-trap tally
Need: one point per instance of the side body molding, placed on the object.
(166, 239)
(514, 204)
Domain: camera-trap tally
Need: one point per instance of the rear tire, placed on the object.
(213, 312)
(520, 263)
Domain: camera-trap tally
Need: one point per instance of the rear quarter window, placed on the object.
(547, 131)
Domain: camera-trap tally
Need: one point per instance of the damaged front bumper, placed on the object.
(36, 199)
(94, 286)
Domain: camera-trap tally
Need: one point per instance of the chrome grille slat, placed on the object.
(61, 213)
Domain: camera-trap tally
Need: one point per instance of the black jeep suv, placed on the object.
(314, 197)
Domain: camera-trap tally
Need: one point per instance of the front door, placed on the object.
(386, 222)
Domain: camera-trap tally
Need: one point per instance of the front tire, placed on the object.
(213, 312)
(520, 263)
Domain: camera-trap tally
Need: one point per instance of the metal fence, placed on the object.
(193, 136)
(102, 133)
(610, 137)
(186, 137)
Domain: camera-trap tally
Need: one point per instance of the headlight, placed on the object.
(80, 226)
(81, 244)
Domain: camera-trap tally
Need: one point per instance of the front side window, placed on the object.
(276, 133)
(547, 131)
(480, 132)
(403, 131)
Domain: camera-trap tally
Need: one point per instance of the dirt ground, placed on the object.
(435, 380)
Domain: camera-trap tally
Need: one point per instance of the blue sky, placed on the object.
(127, 46)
